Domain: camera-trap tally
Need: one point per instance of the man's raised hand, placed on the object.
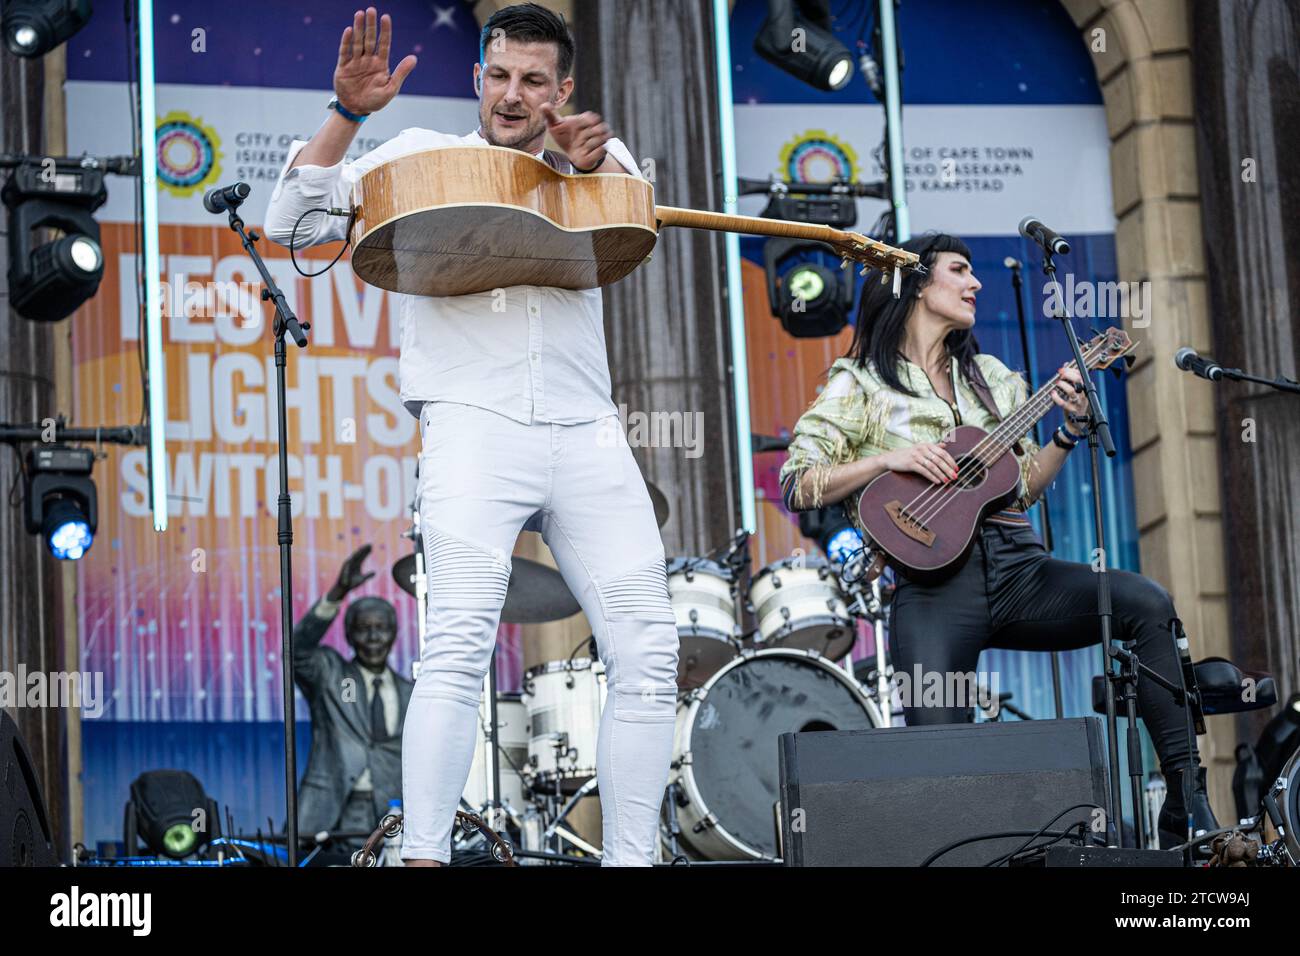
(350, 575)
(582, 137)
(362, 82)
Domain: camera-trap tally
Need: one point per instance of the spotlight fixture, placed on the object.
(170, 813)
(796, 37)
(810, 298)
(47, 282)
(62, 505)
(834, 533)
(33, 28)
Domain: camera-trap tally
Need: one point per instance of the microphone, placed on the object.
(1012, 263)
(1187, 360)
(1033, 229)
(222, 198)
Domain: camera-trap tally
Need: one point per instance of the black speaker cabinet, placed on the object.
(25, 837)
(893, 796)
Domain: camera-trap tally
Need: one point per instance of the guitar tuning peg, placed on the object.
(898, 282)
(864, 270)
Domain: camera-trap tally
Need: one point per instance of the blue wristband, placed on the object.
(339, 108)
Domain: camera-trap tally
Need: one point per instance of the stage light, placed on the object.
(810, 298)
(50, 280)
(62, 505)
(33, 28)
(806, 282)
(796, 37)
(838, 538)
(169, 812)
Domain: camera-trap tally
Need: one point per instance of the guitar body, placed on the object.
(456, 220)
(462, 219)
(924, 542)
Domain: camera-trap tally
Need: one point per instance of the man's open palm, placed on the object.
(361, 80)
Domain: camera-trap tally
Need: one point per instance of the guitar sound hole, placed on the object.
(972, 472)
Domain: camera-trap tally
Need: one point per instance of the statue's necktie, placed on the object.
(378, 726)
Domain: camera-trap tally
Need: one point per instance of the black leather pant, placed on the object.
(1011, 594)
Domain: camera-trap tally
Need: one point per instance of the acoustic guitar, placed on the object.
(924, 529)
(455, 220)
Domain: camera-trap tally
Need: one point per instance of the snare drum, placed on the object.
(703, 598)
(563, 700)
(799, 604)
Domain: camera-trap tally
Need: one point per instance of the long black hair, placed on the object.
(882, 319)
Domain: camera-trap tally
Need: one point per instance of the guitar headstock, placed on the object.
(1106, 348)
(872, 254)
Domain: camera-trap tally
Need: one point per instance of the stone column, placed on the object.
(1247, 86)
(1142, 55)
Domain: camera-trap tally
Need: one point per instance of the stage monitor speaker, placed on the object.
(25, 835)
(892, 796)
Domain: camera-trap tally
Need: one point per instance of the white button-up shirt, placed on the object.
(542, 359)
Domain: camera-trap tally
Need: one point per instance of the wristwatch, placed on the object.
(339, 108)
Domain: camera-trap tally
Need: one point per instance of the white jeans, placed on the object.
(483, 477)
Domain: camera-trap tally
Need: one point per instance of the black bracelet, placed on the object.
(593, 168)
(1060, 440)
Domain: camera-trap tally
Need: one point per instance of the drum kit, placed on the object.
(760, 656)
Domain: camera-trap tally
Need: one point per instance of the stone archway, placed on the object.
(1142, 55)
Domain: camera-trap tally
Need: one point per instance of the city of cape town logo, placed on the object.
(816, 156)
(189, 156)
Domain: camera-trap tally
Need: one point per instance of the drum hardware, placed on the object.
(868, 603)
(555, 831)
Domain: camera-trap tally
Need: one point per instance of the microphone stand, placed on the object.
(1049, 543)
(1281, 383)
(1126, 676)
(285, 321)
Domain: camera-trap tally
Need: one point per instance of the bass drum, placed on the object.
(725, 750)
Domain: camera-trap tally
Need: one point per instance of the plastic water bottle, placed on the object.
(392, 855)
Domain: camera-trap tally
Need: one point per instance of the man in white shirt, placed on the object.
(515, 423)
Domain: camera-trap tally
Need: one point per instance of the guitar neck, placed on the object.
(865, 250)
(753, 225)
(1018, 424)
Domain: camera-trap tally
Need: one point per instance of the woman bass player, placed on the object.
(913, 372)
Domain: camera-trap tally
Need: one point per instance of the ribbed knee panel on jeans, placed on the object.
(467, 587)
(643, 634)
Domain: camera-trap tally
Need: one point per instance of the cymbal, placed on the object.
(660, 502)
(536, 593)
